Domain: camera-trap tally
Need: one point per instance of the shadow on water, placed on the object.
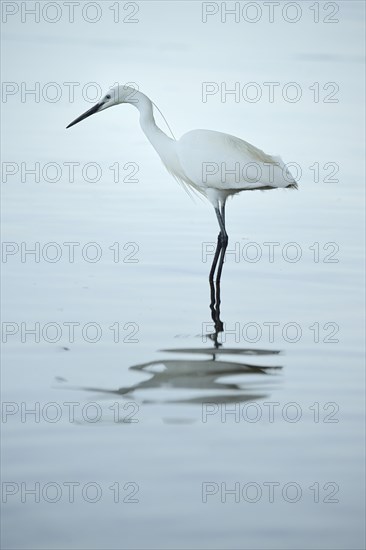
(202, 373)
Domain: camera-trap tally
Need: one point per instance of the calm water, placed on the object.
(144, 435)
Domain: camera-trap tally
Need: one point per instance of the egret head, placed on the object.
(117, 94)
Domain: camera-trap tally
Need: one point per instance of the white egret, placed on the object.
(211, 163)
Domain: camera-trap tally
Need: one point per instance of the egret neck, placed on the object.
(162, 144)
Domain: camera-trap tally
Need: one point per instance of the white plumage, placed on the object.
(211, 163)
(226, 163)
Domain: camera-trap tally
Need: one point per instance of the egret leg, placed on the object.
(220, 214)
(221, 262)
(222, 241)
(215, 313)
(221, 246)
(223, 237)
(223, 211)
(216, 258)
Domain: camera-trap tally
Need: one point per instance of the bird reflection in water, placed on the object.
(201, 373)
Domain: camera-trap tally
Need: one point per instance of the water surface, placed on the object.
(254, 444)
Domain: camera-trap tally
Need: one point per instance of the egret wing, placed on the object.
(221, 161)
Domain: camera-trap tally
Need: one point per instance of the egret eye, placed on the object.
(108, 96)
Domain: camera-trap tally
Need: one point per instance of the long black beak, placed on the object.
(91, 111)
